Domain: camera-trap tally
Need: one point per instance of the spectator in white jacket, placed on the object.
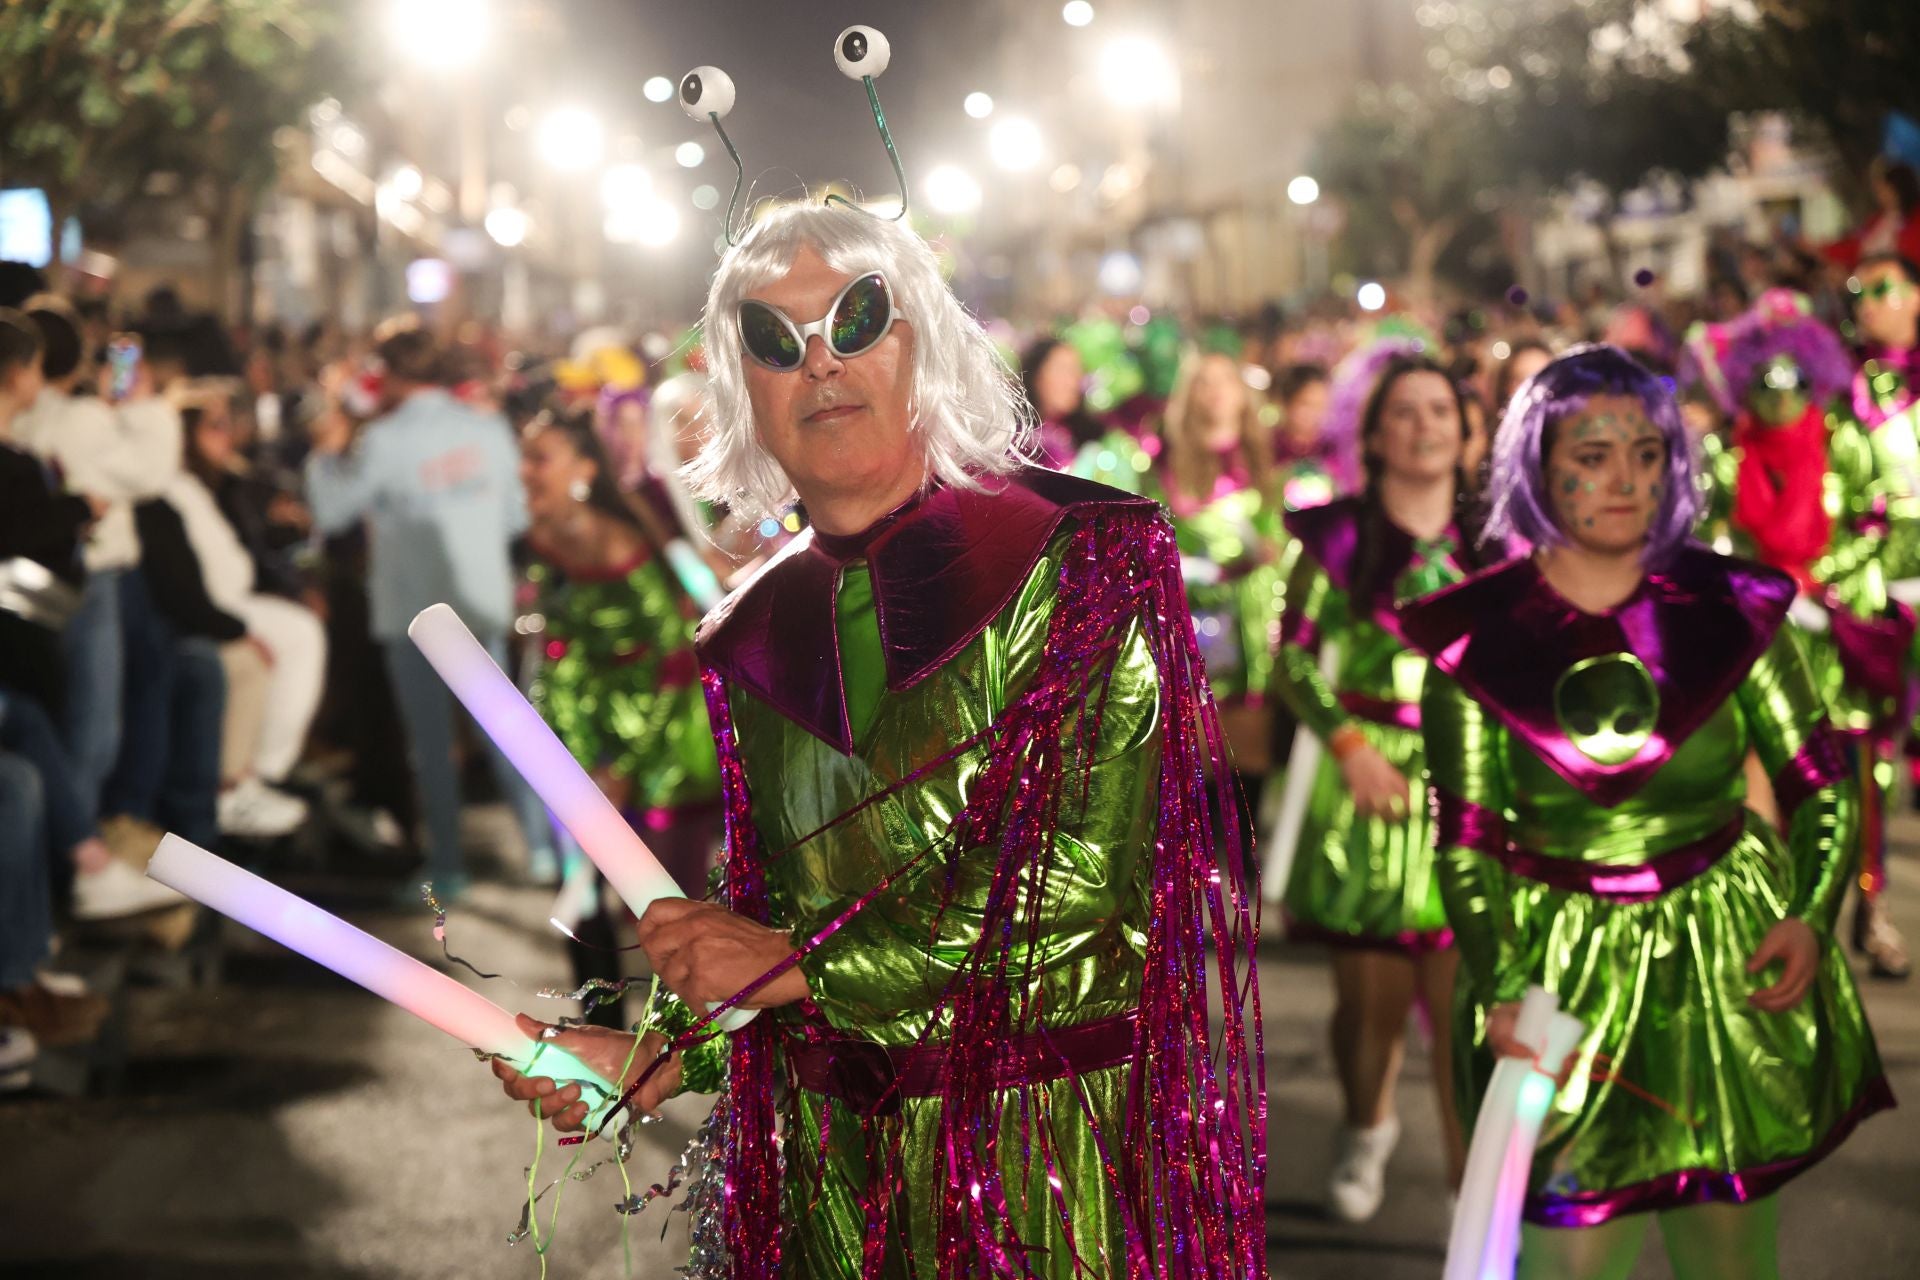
(124, 453)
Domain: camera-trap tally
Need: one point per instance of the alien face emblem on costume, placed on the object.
(1606, 706)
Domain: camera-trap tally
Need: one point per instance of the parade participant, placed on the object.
(964, 735)
(1299, 448)
(1362, 880)
(1051, 375)
(1587, 717)
(1215, 473)
(1805, 492)
(619, 682)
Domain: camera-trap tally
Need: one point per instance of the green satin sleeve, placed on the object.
(1716, 478)
(1311, 601)
(1783, 711)
(703, 1066)
(898, 953)
(1465, 759)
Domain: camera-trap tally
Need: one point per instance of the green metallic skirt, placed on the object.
(1368, 883)
(1681, 1092)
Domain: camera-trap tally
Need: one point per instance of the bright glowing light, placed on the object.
(507, 226)
(406, 182)
(1121, 273)
(1015, 144)
(651, 223)
(1303, 190)
(706, 197)
(1137, 72)
(978, 105)
(952, 190)
(658, 89)
(572, 139)
(1371, 296)
(689, 155)
(443, 35)
(1065, 178)
(624, 184)
(1139, 315)
(1076, 13)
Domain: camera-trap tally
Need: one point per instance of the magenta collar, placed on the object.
(1697, 627)
(943, 567)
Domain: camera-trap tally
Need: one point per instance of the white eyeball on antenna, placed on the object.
(860, 52)
(706, 91)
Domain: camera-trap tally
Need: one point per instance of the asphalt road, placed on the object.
(283, 1124)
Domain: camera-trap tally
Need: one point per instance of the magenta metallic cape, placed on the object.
(1331, 535)
(1698, 626)
(1190, 1164)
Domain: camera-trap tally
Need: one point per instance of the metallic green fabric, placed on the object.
(1237, 619)
(1370, 879)
(620, 684)
(1677, 1072)
(1115, 459)
(878, 977)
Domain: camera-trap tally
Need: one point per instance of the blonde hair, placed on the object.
(965, 406)
(1192, 468)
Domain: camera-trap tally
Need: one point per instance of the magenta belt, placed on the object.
(873, 1078)
(1401, 715)
(1637, 882)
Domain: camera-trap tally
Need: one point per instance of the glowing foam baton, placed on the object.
(361, 958)
(549, 768)
(1485, 1240)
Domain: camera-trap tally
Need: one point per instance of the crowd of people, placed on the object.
(211, 546)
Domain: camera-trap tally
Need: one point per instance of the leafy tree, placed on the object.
(101, 94)
(1836, 66)
(1412, 171)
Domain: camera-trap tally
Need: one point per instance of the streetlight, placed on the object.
(952, 190)
(978, 105)
(1076, 13)
(406, 182)
(689, 155)
(652, 223)
(440, 34)
(1137, 72)
(1371, 296)
(624, 185)
(1303, 190)
(507, 226)
(571, 139)
(658, 89)
(1015, 144)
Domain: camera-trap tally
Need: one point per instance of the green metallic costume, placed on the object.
(861, 789)
(1231, 546)
(620, 684)
(1359, 882)
(1587, 775)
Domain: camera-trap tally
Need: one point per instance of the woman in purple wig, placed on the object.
(1587, 715)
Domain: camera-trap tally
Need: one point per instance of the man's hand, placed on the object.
(606, 1051)
(706, 954)
(1794, 943)
(1379, 790)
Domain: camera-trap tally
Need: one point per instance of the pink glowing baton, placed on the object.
(549, 768)
(363, 959)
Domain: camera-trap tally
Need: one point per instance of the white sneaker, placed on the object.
(117, 890)
(254, 809)
(17, 1053)
(1359, 1179)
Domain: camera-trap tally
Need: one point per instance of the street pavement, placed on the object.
(284, 1124)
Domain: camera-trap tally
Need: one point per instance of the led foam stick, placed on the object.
(549, 768)
(1485, 1240)
(361, 958)
(1303, 763)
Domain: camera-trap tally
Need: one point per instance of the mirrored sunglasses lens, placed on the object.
(862, 316)
(766, 338)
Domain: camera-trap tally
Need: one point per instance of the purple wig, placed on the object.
(1812, 346)
(1519, 507)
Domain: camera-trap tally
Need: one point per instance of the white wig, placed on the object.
(965, 406)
